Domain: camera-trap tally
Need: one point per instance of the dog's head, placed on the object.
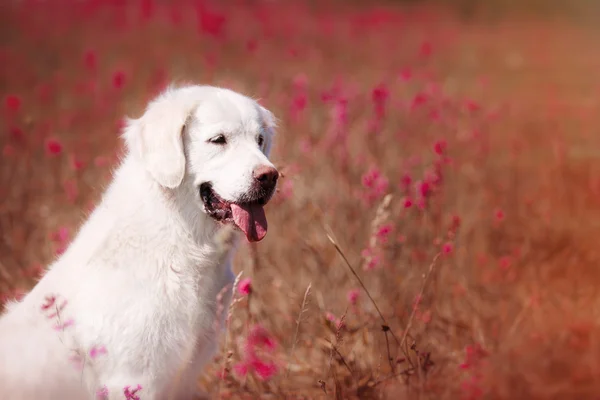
(216, 140)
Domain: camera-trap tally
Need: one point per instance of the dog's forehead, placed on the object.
(229, 109)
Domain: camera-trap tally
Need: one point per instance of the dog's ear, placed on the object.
(156, 138)
(270, 124)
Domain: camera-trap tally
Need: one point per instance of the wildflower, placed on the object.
(16, 133)
(439, 147)
(12, 103)
(49, 301)
(260, 337)
(241, 369)
(97, 350)
(330, 317)
(90, 60)
(426, 49)
(102, 393)
(426, 317)
(505, 262)
(375, 183)
(455, 223)
(76, 164)
(407, 202)
(419, 100)
(62, 325)
(447, 248)
(423, 188)
(353, 295)
(264, 370)
(473, 354)
(499, 215)
(118, 79)
(406, 74)
(61, 235)
(245, 286)
(53, 147)
(300, 82)
(209, 22)
(405, 182)
(472, 106)
(130, 394)
(383, 232)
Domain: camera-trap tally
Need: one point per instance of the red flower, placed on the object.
(53, 147)
(13, 103)
(245, 286)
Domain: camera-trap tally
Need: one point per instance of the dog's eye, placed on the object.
(218, 140)
(260, 140)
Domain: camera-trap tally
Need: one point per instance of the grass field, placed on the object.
(455, 164)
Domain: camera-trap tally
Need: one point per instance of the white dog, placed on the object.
(129, 309)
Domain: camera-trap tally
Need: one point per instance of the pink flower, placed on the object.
(97, 350)
(130, 394)
(505, 262)
(260, 337)
(472, 106)
(380, 95)
(407, 202)
(375, 184)
(90, 60)
(455, 224)
(264, 370)
(447, 248)
(13, 103)
(499, 215)
(53, 147)
(426, 49)
(405, 182)
(383, 232)
(353, 295)
(423, 188)
(406, 74)
(372, 263)
(300, 82)
(62, 325)
(102, 393)
(439, 147)
(118, 79)
(210, 22)
(49, 301)
(245, 286)
(419, 100)
(241, 369)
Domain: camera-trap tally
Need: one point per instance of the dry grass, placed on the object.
(510, 307)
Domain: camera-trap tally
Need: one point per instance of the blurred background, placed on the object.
(450, 149)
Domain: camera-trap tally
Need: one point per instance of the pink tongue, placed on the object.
(251, 219)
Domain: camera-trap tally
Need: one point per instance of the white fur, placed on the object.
(142, 276)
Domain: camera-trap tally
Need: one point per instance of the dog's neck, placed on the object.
(162, 216)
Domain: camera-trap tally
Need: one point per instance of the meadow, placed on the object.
(434, 231)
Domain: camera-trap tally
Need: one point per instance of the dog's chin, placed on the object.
(247, 214)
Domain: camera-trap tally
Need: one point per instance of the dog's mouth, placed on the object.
(249, 216)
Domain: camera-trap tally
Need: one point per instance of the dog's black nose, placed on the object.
(266, 177)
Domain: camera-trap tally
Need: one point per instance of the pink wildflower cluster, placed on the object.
(259, 341)
(474, 361)
(131, 394)
(375, 185)
(245, 286)
(61, 239)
